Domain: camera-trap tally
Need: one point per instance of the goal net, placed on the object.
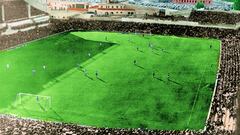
(34, 101)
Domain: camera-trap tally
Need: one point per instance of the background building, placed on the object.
(105, 8)
(206, 2)
(112, 9)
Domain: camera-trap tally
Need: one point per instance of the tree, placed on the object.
(237, 4)
(199, 5)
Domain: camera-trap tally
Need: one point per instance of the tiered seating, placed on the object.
(15, 10)
(209, 17)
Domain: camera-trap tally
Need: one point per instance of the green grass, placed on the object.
(125, 95)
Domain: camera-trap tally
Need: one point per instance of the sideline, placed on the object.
(215, 87)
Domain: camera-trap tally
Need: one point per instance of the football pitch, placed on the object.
(116, 80)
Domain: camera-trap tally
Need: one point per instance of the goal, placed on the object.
(34, 101)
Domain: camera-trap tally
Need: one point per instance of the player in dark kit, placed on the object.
(153, 74)
(96, 73)
(135, 62)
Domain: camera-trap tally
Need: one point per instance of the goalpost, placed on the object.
(34, 101)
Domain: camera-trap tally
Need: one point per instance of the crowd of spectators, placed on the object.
(1, 15)
(17, 9)
(202, 17)
(13, 125)
(210, 17)
(166, 17)
(8, 41)
(224, 105)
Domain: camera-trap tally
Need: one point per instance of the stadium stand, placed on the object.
(35, 12)
(223, 113)
(20, 37)
(0, 13)
(210, 17)
(27, 126)
(15, 10)
(3, 27)
(17, 18)
(18, 10)
(202, 17)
